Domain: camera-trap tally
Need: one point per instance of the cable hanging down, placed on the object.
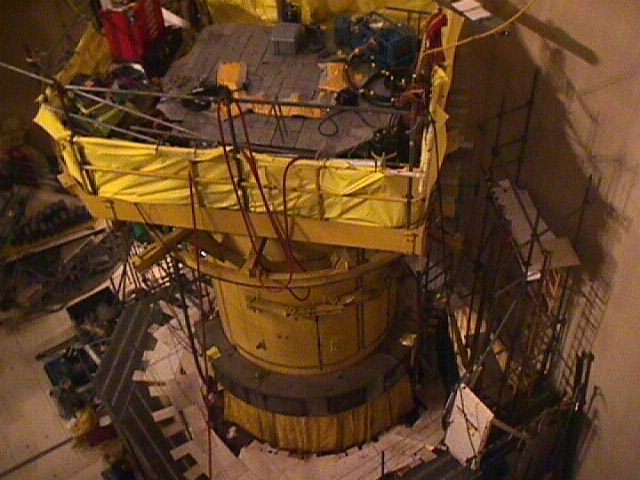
(282, 233)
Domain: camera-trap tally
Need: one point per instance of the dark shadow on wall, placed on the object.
(559, 161)
(596, 404)
(47, 31)
(545, 29)
(560, 168)
(559, 164)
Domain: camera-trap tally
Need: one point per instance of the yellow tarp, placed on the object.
(325, 433)
(313, 11)
(143, 173)
(243, 10)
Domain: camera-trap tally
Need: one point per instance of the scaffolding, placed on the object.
(499, 274)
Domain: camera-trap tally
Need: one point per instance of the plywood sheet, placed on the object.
(470, 422)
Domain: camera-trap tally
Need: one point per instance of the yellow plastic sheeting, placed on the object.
(92, 56)
(212, 186)
(324, 10)
(440, 89)
(451, 34)
(138, 172)
(247, 11)
(50, 122)
(336, 190)
(313, 11)
(333, 190)
(303, 198)
(373, 196)
(434, 146)
(325, 433)
(432, 154)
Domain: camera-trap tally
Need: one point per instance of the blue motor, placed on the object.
(391, 45)
(352, 33)
(396, 49)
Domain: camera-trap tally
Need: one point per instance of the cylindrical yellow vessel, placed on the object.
(310, 361)
(337, 319)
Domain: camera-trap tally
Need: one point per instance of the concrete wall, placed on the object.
(43, 25)
(586, 122)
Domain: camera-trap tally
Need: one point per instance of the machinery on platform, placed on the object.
(389, 44)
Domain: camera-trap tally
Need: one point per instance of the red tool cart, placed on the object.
(131, 26)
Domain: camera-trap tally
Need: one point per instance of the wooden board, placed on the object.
(469, 426)
(522, 214)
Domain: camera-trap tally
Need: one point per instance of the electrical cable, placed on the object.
(437, 151)
(172, 96)
(389, 75)
(370, 96)
(208, 385)
(287, 231)
(199, 292)
(287, 237)
(331, 118)
(188, 134)
(176, 331)
(185, 311)
(245, 216)
(331, 133)
(253, 166)
(286, 249)
(285, 244)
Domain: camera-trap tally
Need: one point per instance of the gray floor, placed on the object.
(29, 423)
(275, 77)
